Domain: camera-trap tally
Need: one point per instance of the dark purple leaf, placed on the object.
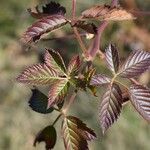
(47, 135)
(42, 26)
(51, 8)
(112, 58)
(137, 63)
(110, 107)
(38, 102)
(140, 98)
(100, 79)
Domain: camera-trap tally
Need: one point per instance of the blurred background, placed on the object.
(19, 124)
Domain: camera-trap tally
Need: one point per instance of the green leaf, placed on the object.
(57, 92)
(55, 61)
(38, 74)
(38, 102)
(47, 135)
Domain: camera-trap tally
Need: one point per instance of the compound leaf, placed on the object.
(38, 74)
(39, 101)
(47, 135)
(112, 58)
(137, 63)
(140, 98)
(42, 26)
(110, 107)
(57, 92)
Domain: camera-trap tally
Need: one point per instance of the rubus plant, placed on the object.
(80, 74)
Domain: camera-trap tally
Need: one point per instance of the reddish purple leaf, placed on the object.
(110, 107)
(100, 79)
(74, 65)
(140, 98)
(55, 61)
(42, 26)
(38, 74)
(137, 63)
(112, 58)
(57, 92)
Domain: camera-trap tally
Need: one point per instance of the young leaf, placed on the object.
(55, 61)
(107, 13)
(57, 92)
(140, 98)
(100, 79)
(42, 26)
(110, 107)
(76, 133)
(38, 74)
(38, 102)
(47, 135)
(112, 58)
(74, 65)
(51, 8)
(88, 27)
(137, 63)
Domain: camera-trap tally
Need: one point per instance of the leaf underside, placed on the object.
(38, 102)
(106, 12)
(76, 133)
(42, 26)
(137, 63)
(140, 98)
(110, 107)
(112, 58)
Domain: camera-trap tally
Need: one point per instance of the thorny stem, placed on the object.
(83, 48)
(94, 49)
(56, 119)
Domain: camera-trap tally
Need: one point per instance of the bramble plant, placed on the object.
(80, 74)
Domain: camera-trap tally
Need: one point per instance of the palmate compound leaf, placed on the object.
(39, 101)
(140, 98)
(76, 133)
(106, 12)
(74, 65)
(57, 92)
(99, 79)
(51, 8)
(137, 63)
(42, 26)
(47, 135)
(55, 61)
(39, 74)
(112, 58)
(110, 106)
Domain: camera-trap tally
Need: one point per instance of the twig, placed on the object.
(56, 119)
(83, 48)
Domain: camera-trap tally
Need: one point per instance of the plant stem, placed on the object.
(56, 119)
(83, 48)
(71, 100)
(134, 81)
